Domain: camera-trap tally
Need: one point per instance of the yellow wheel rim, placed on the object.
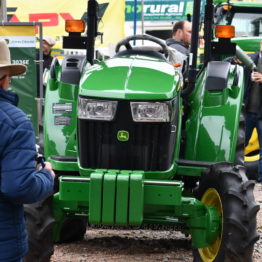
(212, 198)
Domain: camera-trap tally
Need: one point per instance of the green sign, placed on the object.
(122, 135)
(26, 85)
(21, 41)
(160, 10)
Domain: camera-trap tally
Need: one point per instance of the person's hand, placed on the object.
(256, 77)
(48, 166)
(237, 61)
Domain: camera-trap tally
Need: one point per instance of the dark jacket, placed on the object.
(20, 183)
(47, 61)
(249, 83)
(178, 45)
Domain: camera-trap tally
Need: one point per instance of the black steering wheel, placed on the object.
(126, 42)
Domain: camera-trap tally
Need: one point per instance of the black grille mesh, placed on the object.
(150, 145)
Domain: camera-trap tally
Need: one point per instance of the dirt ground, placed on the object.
(139, 245)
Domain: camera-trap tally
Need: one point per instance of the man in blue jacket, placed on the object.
(20, 182)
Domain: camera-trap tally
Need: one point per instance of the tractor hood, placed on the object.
(135, 77)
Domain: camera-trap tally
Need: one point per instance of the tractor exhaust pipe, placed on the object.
(92, 22)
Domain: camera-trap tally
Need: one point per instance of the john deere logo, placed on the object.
(122, 135)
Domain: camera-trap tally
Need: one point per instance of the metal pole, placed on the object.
(3, 16)
(135, 19)
(41, 66)
(142, 20)
(142, 17)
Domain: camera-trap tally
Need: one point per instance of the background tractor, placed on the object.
(133, 143)
(246, 16)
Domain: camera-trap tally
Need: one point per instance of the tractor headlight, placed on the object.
(96, 109)
(150, 111)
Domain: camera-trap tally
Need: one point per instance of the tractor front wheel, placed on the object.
(73, 229)
(226, 187)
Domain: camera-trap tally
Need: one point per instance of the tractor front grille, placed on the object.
(150, 145)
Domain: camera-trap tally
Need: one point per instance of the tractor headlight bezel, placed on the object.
(94, 109)
(151, 111)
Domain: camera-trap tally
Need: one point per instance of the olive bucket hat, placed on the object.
(6, 68)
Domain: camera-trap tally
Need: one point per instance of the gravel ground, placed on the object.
(139, 245)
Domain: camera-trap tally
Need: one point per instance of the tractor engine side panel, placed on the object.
(60, 108)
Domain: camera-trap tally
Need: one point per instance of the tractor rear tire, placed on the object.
(39, 224)
(233, 195)
(252, 169)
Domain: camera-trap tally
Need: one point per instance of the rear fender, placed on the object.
(214, 112)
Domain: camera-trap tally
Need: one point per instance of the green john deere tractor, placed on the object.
(133, 143)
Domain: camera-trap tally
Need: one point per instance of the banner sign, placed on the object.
(160, 10)
(22, 43)
(53, 13)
